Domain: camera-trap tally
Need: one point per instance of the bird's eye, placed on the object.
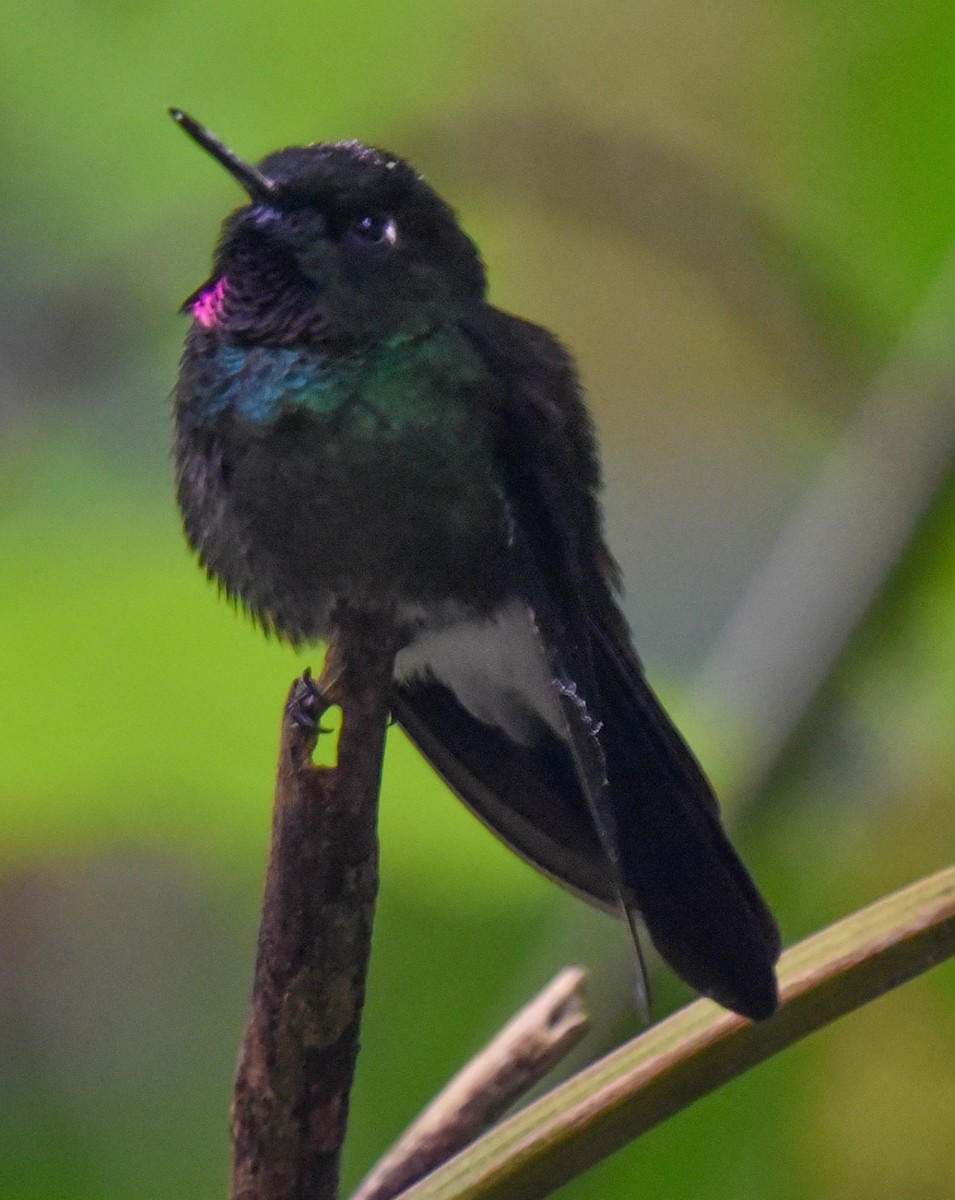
(373, 229)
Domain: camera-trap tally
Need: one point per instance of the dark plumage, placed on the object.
(356, 424)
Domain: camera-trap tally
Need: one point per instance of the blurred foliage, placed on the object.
(730, 213)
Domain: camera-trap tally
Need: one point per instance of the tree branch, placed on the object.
(519, 1056)
(290, 1106)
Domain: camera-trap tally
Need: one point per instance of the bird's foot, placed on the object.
(307, 703)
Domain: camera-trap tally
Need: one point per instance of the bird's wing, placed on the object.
(608, 799)
(526, 794)
(701, 907)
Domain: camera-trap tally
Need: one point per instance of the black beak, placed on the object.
(259, 186)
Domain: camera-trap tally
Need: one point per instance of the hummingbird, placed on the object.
(356, 425)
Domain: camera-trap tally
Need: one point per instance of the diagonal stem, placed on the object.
(699, 1048)
(839, 547)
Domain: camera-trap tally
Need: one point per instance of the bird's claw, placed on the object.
(307, 703)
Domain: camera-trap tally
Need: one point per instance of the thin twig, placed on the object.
(295, 1073)
(519, 1056)
(699, 1048)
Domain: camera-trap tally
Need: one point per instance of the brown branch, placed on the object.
(519, 1056)
(297, 1062)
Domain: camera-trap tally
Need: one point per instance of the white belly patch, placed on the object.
(497, 668)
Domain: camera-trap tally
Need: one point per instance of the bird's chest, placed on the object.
(375, 486)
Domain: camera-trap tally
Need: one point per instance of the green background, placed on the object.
(732, 214)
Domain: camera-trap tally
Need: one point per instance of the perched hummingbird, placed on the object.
(356, 425)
